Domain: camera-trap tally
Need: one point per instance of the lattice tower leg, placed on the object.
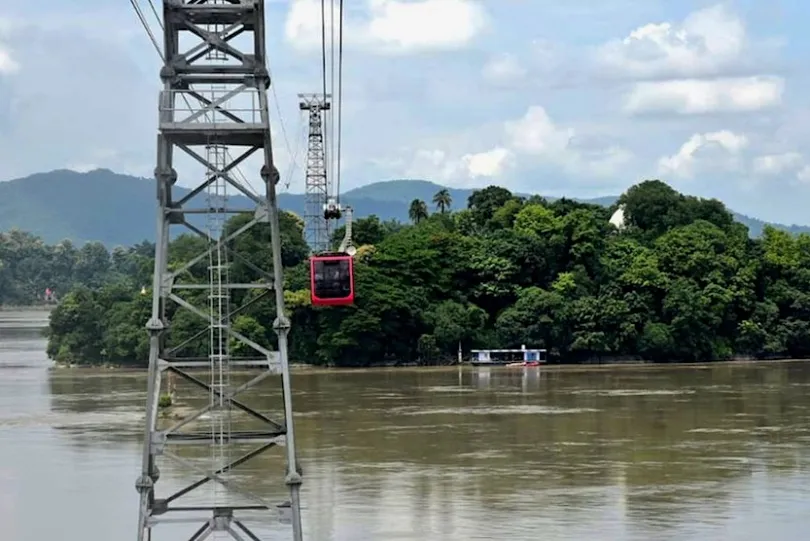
(213, 102)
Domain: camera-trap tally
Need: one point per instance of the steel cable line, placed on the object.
(334, 143)
(339, 100)
(145, 25)
(332, 86)
(325, 123)
(155, 12)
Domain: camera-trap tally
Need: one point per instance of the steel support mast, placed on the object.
(316, 226)
(214, 102)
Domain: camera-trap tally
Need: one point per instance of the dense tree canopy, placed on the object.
(28, 267)
(682, 281)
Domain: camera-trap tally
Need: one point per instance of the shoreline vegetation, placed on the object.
(659, 276)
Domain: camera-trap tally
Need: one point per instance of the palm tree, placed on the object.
(418, 211)
(442, 200)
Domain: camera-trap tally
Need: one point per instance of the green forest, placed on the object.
(681, 281)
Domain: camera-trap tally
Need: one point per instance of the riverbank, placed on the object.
(301, 367)
(27, 308)
(124, 368)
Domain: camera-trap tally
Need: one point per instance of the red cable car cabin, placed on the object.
(331, 280)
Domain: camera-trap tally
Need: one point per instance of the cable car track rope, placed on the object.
(332, 79)
(329, 65)
(139, 13)
(325, 83)
(340, 100)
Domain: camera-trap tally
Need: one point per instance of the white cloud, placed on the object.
(602, 162)
(720, 149)
(302, 27)
(464, 170)
(694, 96)
(391, 26)
(781, 165)
(503, 68)
(536, 134)
(7, 63)
(777, 164)
(491, 163)
(724, 151)
(804, 174)
(706, 42)
(433, 164)
(534, 140)
(425, 24)
(692, 62)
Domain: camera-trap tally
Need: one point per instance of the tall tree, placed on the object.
(418, 211)
(442, 200)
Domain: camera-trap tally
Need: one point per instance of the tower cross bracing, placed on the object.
(213, 106)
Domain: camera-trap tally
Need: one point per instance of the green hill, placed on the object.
(120, 209)
(398, 190)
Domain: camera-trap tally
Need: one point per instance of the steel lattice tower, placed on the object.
(317, 184)
(214, 98)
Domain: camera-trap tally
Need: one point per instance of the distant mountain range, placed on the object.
(120, 210)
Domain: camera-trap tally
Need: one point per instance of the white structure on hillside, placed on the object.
(618, 218)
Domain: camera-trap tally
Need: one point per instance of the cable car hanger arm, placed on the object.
(346, 245)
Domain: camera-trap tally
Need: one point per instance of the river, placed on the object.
(718, 453)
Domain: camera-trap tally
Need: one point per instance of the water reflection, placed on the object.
(621, 454)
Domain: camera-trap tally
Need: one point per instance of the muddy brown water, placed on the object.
(712, 453)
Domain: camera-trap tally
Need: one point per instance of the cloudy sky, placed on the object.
(579, 98)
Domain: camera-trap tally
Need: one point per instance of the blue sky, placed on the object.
(578, 98)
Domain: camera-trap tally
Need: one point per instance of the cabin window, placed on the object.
(332, 279)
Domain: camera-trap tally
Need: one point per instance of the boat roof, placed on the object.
(504, 350)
